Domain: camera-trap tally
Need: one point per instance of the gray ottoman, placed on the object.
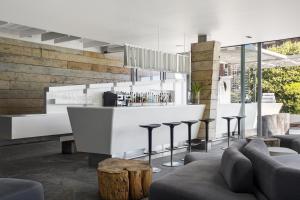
(18, 189)
(281, 151)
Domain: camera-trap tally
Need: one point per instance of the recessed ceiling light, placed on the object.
(248, 36)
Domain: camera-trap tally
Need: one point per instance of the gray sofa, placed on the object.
(289, 141)
(244, 172)
(278, 126)
(18, 189)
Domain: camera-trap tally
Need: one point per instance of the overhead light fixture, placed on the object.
(248, 36)
(156, 60)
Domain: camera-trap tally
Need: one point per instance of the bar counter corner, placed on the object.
(115, 130)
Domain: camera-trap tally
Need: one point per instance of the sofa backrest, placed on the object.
(273, 179)
(236, 170)
(239, 145)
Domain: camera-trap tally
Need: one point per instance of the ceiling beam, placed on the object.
(66, 39)
(14, 29)
(112, 49)
(93, 43)
(31, 31)
(51, 35)
(2, 23)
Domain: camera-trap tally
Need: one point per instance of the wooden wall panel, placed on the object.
(26, 69)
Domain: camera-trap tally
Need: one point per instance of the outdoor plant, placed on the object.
(287, 48)
(196, 89)
(284, 82)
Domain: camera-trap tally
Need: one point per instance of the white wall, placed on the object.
(234, 109)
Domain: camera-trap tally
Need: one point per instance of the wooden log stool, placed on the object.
(270, 142)
(121, 179)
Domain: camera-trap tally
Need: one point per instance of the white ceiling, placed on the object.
(138, 21)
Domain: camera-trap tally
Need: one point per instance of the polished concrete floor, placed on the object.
(64, 177)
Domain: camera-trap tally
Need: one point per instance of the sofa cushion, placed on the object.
(237, 170)
(18, 189)
(199, 180)
(194, 156)
(283, 121)
(239, 145)
(273, 176)
(257, 144)
(264, 167)
(274, 131)
(268, 122)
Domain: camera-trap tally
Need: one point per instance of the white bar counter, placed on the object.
(115, 130)
(35, 125)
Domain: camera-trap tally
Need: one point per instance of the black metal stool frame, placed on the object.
(206, 121)
(239, 118)
(190, 123)
(150, 127)
(172, 163)
(228, 129)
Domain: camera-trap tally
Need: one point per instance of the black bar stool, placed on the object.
(239, 118)
(150, 127)
(172, 125)
(228, 128)
(206, 121)
(190, 123)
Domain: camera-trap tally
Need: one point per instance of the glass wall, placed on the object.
(281, 76)
(237, 89)
(280, 71)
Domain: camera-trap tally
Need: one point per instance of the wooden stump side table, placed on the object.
(121, 179)
(270, 142)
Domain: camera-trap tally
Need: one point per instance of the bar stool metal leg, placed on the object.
(190, 137)
(172, 163)
(206, 121)
(206, 136)
(150, 127)
(189, 123)
(239, 118)
(239, 128)
(228, 133)
(154, 169)
(228, 129)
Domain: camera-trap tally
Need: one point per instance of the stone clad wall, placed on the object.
(205, 69)
(27, 68)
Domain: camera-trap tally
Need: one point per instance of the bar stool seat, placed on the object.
(206, 121)
(150, 127)
(172, 163)
(172, 124)
(190, 123)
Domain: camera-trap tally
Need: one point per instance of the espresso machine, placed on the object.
(112, 99)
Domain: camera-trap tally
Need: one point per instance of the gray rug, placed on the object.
(64, 177)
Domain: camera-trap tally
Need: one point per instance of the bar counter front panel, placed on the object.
(114, 130)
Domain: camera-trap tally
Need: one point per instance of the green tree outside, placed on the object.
(284, 82)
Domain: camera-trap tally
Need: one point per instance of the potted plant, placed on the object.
(196, 89)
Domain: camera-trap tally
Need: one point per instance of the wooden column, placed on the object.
(205, 69)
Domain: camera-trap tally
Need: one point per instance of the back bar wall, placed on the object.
(26, 69)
